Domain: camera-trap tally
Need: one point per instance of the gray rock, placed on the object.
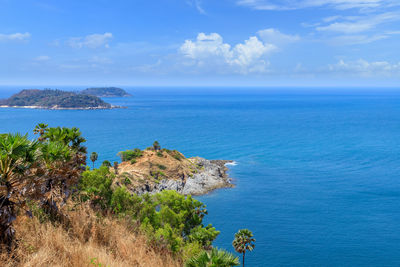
(212, 175)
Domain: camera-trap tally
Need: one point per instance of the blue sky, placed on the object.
(200, 42)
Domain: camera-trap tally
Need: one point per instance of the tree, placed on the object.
(243, 241)
(156, 146)
(16, 154)
(106, 163)
(215, 257)
(116, 167)
(93, 157)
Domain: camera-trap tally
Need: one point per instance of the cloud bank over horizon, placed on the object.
(257, 42)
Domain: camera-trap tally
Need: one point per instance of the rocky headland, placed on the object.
(153, 171)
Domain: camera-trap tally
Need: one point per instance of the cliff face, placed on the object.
(158, 171)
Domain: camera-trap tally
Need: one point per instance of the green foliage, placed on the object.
(127, 181)
(95, 185)
(51, 98)
(133, 161)
(122, 202)
(130, 154)
(105, 92)
(203, 235)
(161, 167)
(156, 146)
(243, 241)
(160, 154)
(33, 171)
(106, 163)
(93, 157)
(215, 257)
(175, 154)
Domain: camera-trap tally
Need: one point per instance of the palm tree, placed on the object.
(156, 146)
(116, 167)
(214, 258)
(17, 154)
(93, 157)
(243, 241)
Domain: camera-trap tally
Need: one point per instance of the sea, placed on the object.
(317, 170)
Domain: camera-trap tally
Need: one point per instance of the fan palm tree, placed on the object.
(156, 146)
(93, 157)
(243, 241)
(17, 154)
(214, 258)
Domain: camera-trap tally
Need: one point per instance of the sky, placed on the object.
(200, 42)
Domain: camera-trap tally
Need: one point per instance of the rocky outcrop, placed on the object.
(211, 175)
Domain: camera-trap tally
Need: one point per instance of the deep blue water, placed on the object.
(317, 179)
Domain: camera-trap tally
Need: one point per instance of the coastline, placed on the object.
(61, 108)
(214, 175)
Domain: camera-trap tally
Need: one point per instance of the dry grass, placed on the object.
(88, 241)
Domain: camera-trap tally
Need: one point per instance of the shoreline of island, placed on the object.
(153, 170)
(63, 108)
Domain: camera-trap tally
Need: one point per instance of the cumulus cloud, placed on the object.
(365, 68)
(300, 4)
(15, 36)
(91, 41)
(209, 51)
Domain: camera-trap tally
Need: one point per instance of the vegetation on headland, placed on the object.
(106, 92)
(54, 99)
(55, 211)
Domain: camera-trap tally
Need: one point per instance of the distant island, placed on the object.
(106, 92)
(54, 99)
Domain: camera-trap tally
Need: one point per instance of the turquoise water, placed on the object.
(317, 172)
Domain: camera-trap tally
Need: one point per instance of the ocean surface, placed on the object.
(317, 175)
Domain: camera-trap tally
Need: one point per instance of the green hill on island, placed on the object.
(106, 92)
(54, 99)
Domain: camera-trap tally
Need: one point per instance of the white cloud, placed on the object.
(209, 51)
(300, 4)
(198, 5)
(352, 25)
(42, 58)
(362, 67)
(91, 41)
(15, 36)
(276, 37)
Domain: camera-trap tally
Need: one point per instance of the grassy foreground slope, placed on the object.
(88, 241)
(56, 211)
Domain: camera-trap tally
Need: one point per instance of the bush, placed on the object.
(160, 154)
(130, 154)
(161, 167)
(95, 186)
(106, 163)
(123, 202)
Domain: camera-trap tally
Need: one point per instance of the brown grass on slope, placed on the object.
(88, 241)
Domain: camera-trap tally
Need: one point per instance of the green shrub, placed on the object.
(122, 202)
(95, 185)
(106, 163)
(127, 181)
(161, 167)
(133, 161)
(160, 154)
(130, 154)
